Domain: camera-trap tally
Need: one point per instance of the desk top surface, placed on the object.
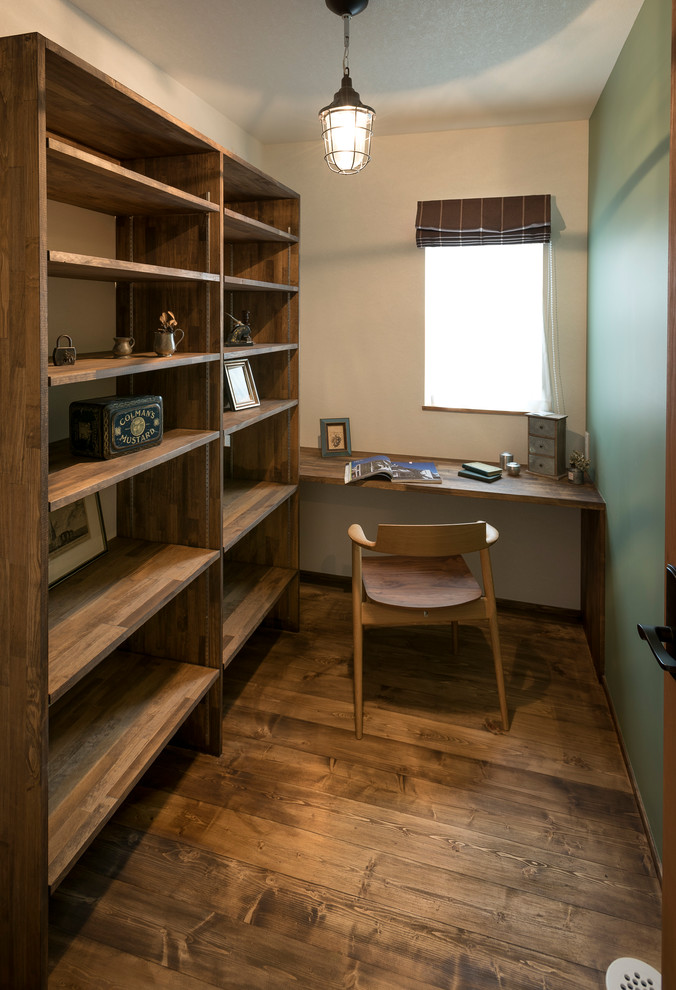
(525, 487)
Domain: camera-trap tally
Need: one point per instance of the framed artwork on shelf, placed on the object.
(77, 536)
(240, 388)
(335, 437)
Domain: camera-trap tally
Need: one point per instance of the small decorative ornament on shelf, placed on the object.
(123, 346)
(579, 465)
(166, 338)
(64, 353)
(239, 334)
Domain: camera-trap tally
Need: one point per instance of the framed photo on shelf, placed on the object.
(77, 536)
(240, 388)
(335, 436)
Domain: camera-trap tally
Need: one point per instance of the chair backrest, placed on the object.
(442, 540)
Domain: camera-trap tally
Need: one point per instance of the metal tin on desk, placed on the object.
(113, 425)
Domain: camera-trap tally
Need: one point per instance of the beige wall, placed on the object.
(79, 34)
(362, 282)
(363, 278)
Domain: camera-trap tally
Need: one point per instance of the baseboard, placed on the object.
(556, 612)
(335, 580)
(632, 779)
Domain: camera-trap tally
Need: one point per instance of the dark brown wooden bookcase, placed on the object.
(260, 493)
(102, 670)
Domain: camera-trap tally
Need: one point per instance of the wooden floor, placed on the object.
(438, 851)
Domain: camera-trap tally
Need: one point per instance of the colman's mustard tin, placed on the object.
(115, 425)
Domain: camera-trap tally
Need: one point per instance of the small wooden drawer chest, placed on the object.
(547, 444)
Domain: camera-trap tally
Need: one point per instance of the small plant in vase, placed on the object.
(579, 465)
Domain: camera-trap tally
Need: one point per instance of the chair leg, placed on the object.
(358, 639)
(454, 638)
(497, 661)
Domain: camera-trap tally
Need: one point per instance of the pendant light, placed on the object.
(347, 123)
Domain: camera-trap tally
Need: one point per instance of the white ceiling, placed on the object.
(424, 65)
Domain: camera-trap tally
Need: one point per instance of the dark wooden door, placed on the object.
(669, 857)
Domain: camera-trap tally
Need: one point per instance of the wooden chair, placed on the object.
(421, 578)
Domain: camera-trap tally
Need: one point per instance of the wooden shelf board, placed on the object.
(246, 503)
(89, 367)
(71, 478)
(81, 179)
(95, 610)
(253, 350)
(112, 119)
(231, 283)
(243, 182)
(116, 722)
(237, 227)
(234, 421)
(62, 264)
(249, 592)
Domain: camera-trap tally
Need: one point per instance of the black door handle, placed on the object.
(655, 636)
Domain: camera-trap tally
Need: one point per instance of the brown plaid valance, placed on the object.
(496, 220)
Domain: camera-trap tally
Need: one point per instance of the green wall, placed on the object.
(626, 383)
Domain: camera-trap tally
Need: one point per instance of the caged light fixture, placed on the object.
(347, 123)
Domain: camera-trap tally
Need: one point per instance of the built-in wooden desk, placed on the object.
(525, 488)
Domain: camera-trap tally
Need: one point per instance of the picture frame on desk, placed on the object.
(335, 437)
(77, 536)
(240, 388)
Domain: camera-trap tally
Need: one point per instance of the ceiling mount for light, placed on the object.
(347, 123)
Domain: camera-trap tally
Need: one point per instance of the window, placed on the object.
(484, 328)
(490, 326)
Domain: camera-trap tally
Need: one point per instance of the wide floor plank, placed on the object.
(436, 852)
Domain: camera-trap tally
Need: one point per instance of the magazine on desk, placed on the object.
(381, 467)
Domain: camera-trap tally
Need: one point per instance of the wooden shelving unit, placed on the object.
(93, 183)
(234, 421)
(129, 584)
(114, 726)
(93, 367)
(247, 503)
(62, 264)
(251, 591)
(230, 282)
(71, 478)
(238, 227)
(257, 349)
(260, 496)
(107, 666)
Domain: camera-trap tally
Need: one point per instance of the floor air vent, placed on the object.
(632, 974)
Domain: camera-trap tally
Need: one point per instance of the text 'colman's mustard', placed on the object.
(110, 426)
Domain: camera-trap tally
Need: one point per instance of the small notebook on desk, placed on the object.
(480, 471)
(382, 468)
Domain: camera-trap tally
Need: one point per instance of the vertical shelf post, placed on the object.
(23, 526)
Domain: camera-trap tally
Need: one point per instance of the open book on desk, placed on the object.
(381, 467)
